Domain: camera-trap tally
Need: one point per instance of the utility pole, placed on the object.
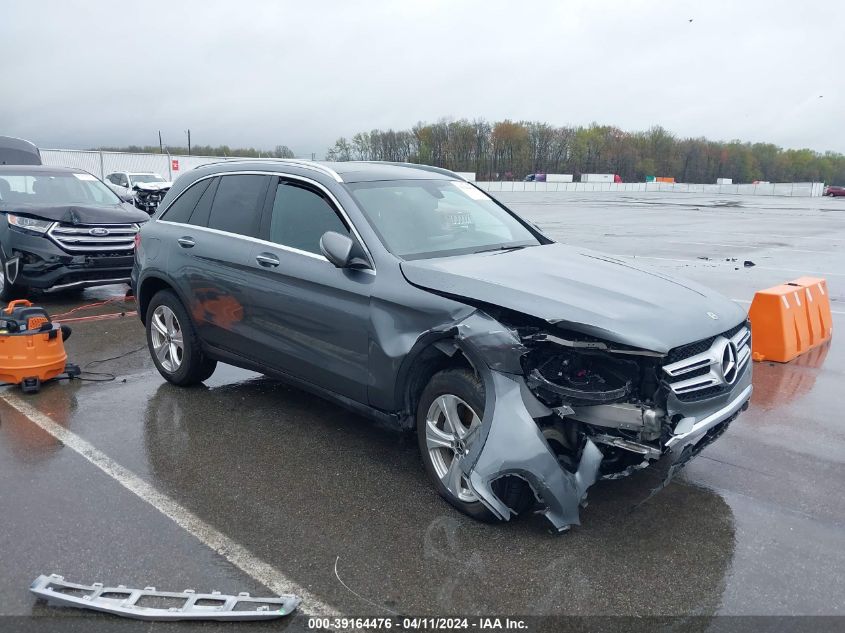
(189, 142)
(160, 144)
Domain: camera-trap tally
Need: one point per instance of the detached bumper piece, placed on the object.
(129, 603)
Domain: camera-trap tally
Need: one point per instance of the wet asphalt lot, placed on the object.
(755, 525)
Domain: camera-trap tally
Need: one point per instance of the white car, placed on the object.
(145, 189)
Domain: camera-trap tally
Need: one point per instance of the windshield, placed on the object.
(27, 187)
(145, 178)
(417, 219)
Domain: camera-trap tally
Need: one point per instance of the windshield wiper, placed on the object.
(502, 247)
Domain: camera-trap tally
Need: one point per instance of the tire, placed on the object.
(463, 388)
(9, 292)
(168, 324)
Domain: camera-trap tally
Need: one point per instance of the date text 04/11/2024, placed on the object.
(418, 624)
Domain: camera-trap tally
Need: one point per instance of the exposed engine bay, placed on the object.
(612, 398)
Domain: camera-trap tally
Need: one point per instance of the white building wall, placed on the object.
(797, 189)
(102, 163)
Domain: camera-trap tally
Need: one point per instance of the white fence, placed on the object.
(171, 166)
(103, 163)
(798, 189)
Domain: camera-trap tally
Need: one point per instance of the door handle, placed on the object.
(186, 242)
(268, 260)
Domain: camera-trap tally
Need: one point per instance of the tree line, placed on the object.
(506, 150)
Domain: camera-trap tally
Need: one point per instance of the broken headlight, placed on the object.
(31, 225)
(579, 377)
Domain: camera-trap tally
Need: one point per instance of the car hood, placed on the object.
(81, 214)
(153, 186)
(584, 291)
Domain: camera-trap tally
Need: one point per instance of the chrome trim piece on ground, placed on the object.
(123, 601)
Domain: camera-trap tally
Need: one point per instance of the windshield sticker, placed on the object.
(85, 177)
(471, 191)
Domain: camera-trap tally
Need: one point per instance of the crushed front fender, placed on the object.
(508, 442)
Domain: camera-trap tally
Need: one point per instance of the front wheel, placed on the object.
(173, 342)
(451, 406)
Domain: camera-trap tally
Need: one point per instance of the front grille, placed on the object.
(706, 368)
(88, 238)
(691, 349)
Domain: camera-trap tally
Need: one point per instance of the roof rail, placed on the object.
(299, 162)
(435, 170)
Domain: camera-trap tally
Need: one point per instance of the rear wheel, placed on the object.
(173, 342)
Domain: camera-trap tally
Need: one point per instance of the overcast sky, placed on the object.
(302, 73)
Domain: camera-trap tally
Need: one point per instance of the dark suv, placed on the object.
(528, 368)
(62, 228)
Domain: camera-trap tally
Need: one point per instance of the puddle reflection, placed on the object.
(301, 482)
(780, 384)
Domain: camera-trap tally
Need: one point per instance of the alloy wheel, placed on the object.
(448, 424)
(166, 337)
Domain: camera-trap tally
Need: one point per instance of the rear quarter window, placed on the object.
(184, 205)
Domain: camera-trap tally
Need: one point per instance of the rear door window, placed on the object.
(300, 217)
(237, 204)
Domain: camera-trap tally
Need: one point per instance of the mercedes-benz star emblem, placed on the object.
(713, 316)
(729, 366)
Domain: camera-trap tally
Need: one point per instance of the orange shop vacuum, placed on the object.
(32, 349)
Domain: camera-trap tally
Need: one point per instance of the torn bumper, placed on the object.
(691, 430)
(515, 446)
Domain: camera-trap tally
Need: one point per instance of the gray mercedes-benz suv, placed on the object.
(528, 368)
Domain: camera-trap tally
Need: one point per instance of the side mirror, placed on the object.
(342, 251)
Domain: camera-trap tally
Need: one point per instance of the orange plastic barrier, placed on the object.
(666, 179)
(790, 319)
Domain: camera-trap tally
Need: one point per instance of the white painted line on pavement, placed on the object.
(232, 551)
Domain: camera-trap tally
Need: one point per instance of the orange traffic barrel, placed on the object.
(790, 319)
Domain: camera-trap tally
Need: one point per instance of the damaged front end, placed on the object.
(564, 409)
(148, 195)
